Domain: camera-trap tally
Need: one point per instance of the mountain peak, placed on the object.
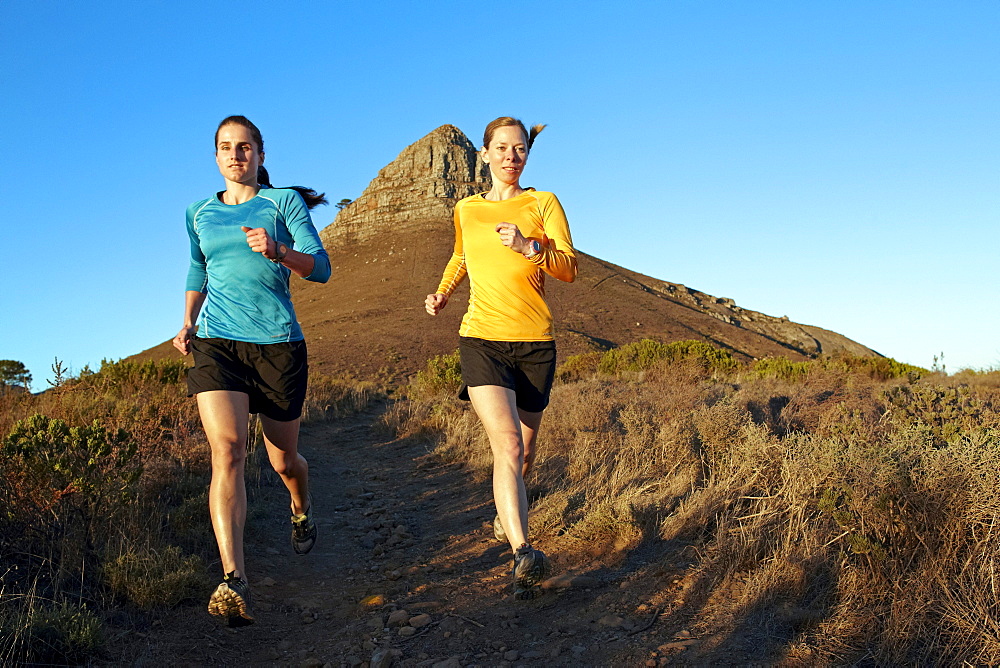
(416, 190)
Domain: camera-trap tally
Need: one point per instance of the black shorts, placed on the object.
(527, 367)
(273, 375)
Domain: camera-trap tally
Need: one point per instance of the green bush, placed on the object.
(779, 367)
(947, 412)
(93, 468)
(443, 375)
(578, 367)
(643, 354)
(877, 368)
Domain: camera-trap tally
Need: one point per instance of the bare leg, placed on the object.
(529, 434)
(225, 417)
(282, 442)
(497, 411)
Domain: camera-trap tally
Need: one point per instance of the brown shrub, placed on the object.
(849, 509)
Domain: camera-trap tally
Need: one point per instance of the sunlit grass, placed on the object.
(851, 502)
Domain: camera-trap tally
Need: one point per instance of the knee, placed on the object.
(285, 464)
(508, 447)
(228, 455)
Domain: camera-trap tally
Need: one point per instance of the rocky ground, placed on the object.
(406, 572)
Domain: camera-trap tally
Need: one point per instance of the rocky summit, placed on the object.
(388, 249)
(417, 190)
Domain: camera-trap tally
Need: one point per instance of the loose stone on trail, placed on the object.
(399, 618)
(569, 580)
(418, 621)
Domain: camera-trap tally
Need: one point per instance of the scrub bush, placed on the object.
(836, 511)
(578, 367)
(646, 353)
(442, 375)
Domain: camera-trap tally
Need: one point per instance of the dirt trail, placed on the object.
(395, 522)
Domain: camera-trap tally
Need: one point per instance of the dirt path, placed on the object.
(406, 572)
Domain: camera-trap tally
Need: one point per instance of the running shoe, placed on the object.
(231, 601)
(531, 566)
(303, 531)
(498, 531)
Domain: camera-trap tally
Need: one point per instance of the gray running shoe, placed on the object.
(303, 531)
(231, 601)
(498, 531)
(531, 566)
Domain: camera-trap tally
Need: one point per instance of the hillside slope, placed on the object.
(388, 249)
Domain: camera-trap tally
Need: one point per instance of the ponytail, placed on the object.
(535, 131)
(311, 197)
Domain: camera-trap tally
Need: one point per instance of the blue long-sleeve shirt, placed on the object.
(248, 296)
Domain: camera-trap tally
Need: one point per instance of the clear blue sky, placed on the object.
(833, 162)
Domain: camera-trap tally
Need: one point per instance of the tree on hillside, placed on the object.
(13, 372)
(342, 203)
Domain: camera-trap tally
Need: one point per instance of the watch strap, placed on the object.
(279, 254)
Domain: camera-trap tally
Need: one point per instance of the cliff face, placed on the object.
(416, 190)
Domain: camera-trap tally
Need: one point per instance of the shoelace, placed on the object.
(233, 579)
(301, 526)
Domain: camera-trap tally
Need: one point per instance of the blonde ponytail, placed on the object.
(535, 131)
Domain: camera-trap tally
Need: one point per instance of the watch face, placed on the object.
(536, 247)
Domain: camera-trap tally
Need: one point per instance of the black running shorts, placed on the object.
(273, 375)
(527, 367)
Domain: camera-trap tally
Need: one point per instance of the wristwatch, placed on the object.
(534, 248)
(282, 251)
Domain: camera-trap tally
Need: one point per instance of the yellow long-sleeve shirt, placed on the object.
(507, 290)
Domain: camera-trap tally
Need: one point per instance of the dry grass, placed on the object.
(103, 502)
(847, 507)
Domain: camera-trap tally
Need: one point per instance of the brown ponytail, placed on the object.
(506, 121)
(311, 197)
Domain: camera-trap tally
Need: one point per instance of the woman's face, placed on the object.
(237, 154)
(507, 154)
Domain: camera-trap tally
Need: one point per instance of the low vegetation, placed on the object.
(103, 503)
(837, 510)
(841, 509)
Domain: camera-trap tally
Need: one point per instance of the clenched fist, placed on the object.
(434, 303)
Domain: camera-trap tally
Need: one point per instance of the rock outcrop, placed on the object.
(417, 189)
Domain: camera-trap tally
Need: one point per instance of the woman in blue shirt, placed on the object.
(249, 352)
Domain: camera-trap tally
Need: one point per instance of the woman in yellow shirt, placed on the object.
(506, 241)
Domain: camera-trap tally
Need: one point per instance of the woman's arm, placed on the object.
(309, 260)
(556, 257)
(300, 264)
(454, 272)
(193, 301)
(554, 254)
